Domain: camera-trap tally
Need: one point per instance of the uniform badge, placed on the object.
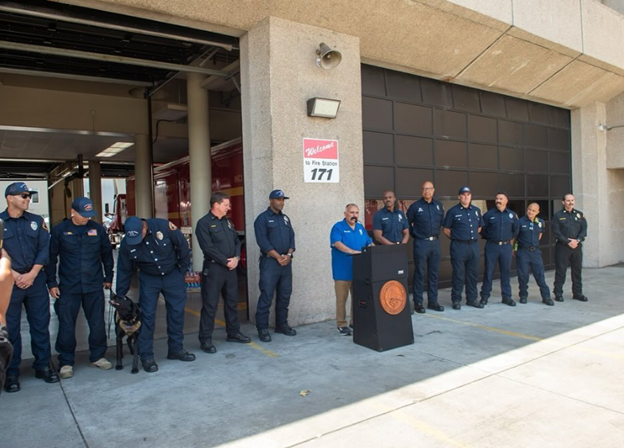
(229, 225)
(438, 207)
(578, 215)
(511, 216)
(420, 209)
(400, 218)
(539, 224)
(172, 226)
(360, 231)
(285, 219)
(476, 213)
(33, 225)
(159, 234)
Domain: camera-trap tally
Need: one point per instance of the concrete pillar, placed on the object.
(143, 185)
(199, 153)
(95, 188)
(278, 75)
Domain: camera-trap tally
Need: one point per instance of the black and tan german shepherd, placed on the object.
(127, 323)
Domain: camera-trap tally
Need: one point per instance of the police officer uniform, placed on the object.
(464, 223)
(83, 250)
(499, 229)
(219, 241)
(392, 223)
(274, 232)
(528, 256)
(425, 220)
(162, 257)
(568, 226)
(27, 241)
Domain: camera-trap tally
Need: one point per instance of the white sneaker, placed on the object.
(66, 372)
(103, 364)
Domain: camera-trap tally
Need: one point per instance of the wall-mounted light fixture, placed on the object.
(323, 107)
(604, 127)
(327, 58)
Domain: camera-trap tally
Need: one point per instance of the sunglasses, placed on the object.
(25, 196)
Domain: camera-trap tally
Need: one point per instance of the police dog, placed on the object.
(127, 323)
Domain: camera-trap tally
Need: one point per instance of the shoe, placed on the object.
(483, 302)
(456, 306)
(12, 384)
(580, 298)
(182, 355)
(101, 363)
(559, 298)
(419, 308)
(548, 302)
(435, 307)
(523, 300)
(509, 302)
(239, 337)
(475, 304)
(345, 331)
(66, 372)
(285, 329)
(149, 365)
(207, 347)
(48, 375)
(264, 335)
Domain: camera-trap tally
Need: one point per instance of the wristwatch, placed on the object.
(290, 254)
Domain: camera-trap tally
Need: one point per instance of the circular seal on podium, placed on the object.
(393, 297)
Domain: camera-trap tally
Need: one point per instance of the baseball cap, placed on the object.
(17, 188)
(464, 190)
(278, 194)
(84, 207)
(134, 230)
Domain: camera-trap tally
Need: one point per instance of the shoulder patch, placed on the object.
(172, 226)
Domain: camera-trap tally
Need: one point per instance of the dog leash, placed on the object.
(110, 312)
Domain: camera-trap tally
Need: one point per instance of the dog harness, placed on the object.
(128, 327)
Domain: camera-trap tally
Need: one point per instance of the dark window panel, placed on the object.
(373, 80)
(484, 182)
(513, 184)
(414, 150)
(412, 119)
(560, 118)
(546, 256)
(510, 133)
(516, 206)
(450, 124)
(409, 180)
(536, 136)
(378, 148)
(493, 104)
(403, 86)
(539, 113)
(559, 139)
(376, 114)
(517, 109)
(436, 93)
(378, 178)
(484, 157)
(511, 159)
(448, 183)
(559, 163)
(536, 161)
(559, 185)
(450, 153)
(481, 129)
(465, 98)
(537, 185)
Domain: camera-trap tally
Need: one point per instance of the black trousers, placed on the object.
(218, 280)
(564, 254)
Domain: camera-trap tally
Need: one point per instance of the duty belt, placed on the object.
(500, 243)
(529, 248)
(430, 238)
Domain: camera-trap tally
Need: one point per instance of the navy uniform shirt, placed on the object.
(218, 239)
(83, 250)
(26, 240)
(530, 231)
(274, 232)
(568, 226)
(163, 250)
(464, 222)
(425, 218)
(499, 226)
(391, 224)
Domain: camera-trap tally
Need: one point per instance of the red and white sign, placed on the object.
(320, 161)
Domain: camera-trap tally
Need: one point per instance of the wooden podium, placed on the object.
(381, 312)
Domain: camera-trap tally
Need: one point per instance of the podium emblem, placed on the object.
(393, 297)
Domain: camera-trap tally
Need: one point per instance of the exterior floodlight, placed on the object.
(327, 58)
(323, 107)
(604, 127)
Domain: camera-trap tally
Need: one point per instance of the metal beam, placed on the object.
(15, 71)
(109, 58)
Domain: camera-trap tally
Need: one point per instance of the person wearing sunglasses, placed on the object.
(27, 242)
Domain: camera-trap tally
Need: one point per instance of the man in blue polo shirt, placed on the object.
(389, 223)
(347, 238)
(462, 225)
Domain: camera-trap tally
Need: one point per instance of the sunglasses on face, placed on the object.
(25, 196)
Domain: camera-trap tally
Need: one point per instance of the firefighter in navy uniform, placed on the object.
(27, 242)
(219, 242)
(570, 229)
(159, 250)
(389, 223)
(462, 224)
(276, 238)
(529, 255)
